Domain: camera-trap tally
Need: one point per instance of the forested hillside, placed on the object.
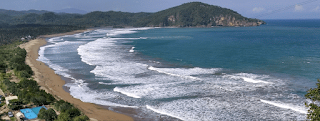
(194, 14)
(197, 14)
(12, 33)
(17, 24)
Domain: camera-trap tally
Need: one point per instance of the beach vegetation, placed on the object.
(66, 109)
(62, 106)
(15, 104)
(14, 33)
(73, 112)
(12, 87)
(64, 117)
(13, 119)
(81, 118)
(3, 66)
(47, 115)
(12, 59)
(314, 110)
(26, 89)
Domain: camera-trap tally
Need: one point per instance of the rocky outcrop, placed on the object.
(221, 20)
(232, 21)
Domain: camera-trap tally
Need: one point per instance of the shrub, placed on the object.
(48, 115)
(64, 117)
(314, 109)
(81, 118)
(73, 112)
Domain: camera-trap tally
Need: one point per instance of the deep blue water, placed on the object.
(265, 49)
(225, 73)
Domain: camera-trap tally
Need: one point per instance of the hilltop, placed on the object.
(197, 14)
(193, 14)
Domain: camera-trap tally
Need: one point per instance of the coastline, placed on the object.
(53, 84)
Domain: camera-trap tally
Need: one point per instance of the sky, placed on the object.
(261, 9)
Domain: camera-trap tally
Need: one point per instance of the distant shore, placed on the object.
(53, 83)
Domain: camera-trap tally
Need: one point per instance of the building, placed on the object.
(10, 98)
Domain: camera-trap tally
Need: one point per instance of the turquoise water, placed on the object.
(231, 73)
(36, 110)
(31, 113)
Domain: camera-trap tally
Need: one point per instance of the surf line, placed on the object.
(300, 110)
(126, 93)
(163, 112)
(182, 76)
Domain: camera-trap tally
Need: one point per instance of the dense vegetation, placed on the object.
(12, 33)
(194, 14)
(93, 19)
(314, 109)
(190, 14)
(28, 91)
(13, 59)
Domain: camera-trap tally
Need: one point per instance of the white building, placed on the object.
(10, 98)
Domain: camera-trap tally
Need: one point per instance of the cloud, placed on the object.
(298, 8)
(316, 9)
(258, 9)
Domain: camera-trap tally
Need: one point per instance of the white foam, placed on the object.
(126, 93)
(299, 109)
(172, 74)
(143, 37)
(215, 97)
(86, 39)
(58, 69)
(225, 107)
(254, 81)
(55, 40)
(116, 32)
(251, 78)
(163, 112)
(131, 50)
(86, 95)
(105, 83)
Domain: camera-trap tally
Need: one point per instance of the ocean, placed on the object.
(193, 74)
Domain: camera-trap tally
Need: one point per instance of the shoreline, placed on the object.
(53, 83)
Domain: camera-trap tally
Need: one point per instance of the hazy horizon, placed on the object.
(272, 9)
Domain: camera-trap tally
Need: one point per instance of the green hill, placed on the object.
(197, 14)
(194, 14)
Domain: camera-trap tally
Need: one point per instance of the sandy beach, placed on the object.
(53, 83)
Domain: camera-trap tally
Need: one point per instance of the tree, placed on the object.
(30, 85)
(73, 112)
(81, 118)
(23, 74)
(3, 67)
(15, 104)
(48, 115)
(65, 106)
(314, 109)
(38, 100)
(64, 117)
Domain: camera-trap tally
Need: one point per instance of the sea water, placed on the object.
(223, 73)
